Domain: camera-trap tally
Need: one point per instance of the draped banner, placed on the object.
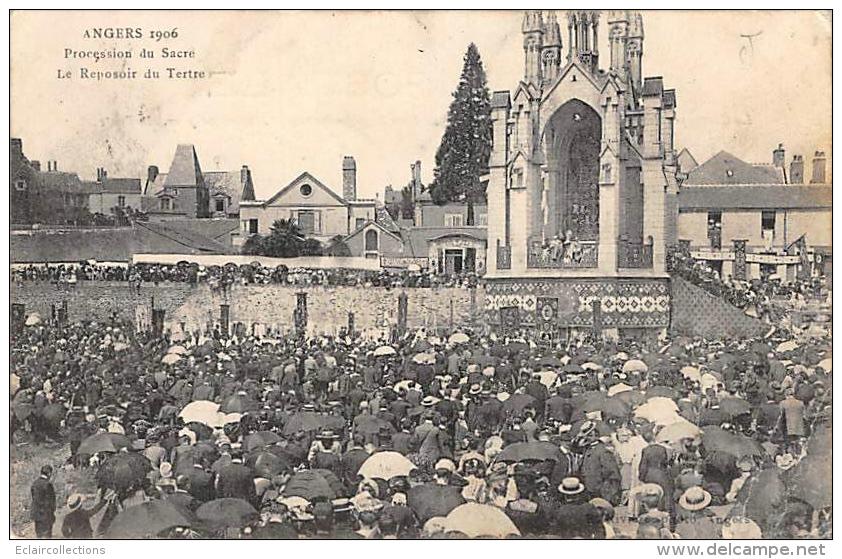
(510, 318)
(547, 312)
(739, 260)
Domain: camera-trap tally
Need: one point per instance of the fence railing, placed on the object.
(634, 255)
(559, 254)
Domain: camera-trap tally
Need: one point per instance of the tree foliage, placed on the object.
(462, 157)
(284, 240)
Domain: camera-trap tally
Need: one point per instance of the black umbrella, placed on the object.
(260, 439)
(430, 499)
(103, 442)
(811, 481)
(534, 450)
(267, 464)
(226, 513)
(148, 520)
(121, 471)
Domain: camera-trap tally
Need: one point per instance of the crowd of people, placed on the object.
(769, 298)
(432, 435)
(66, 276)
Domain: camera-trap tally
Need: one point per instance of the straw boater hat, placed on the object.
(694, 499)
(571, 486)
(475, 389)
(75, 501)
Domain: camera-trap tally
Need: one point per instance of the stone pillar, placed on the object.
(739, 272)
(403, 307)
(18, 315)
(300, 313)
(596, 309)
(224, 319)
(609, 215)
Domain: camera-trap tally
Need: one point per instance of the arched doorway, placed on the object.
(371, 243)
(572, 140)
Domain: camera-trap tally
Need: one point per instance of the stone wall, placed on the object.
(97, 300)
(695, 312)
(327, 307)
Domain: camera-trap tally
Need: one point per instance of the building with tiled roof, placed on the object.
(185, 191)
(765, 209)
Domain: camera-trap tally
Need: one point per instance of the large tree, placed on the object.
(462, 157)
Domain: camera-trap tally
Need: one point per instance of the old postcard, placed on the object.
(424, 274)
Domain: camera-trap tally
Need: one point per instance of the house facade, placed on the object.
(727, 206)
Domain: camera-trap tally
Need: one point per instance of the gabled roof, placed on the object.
(108, 245)
(375, 225)
(416, 239)
(184, 169)
(309, 178)
(227, 183)
(384, 219)
(64, 182)
(724, 168)
(755, 197)
(500, 100)
(686, 161)
(120, 185)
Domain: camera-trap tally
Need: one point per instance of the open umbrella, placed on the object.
(635, 366)
(260, 439)
(386, 465)
(717, 439)
(480, 521)
(811, 481)
(790, 345)
(591, 366)
(631, 397)
(826, 364)
(309, 421)
(533, 450)
(202, 411)
(238, 403)
(226, 513)
(148, 520)
(547, 378)
(661, 411)
(371, 425)
(178, 349)
(762, 498)
(313, 484)
(171, 358)
(550, 361)
(429, 500)
(421, 345)
(458, 338)
(122, 470)
(384, 350)
(677, 432)
(613, 407)
(516, 403)
(267, 464)
(33, 319)
(733, 407)
(691, 373)
(14, 384)
(424, 359)
(103, 442)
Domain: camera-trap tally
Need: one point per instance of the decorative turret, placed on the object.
(551, 53)
(634, 50)
(583, 28)
(533, 40)
(618, 32)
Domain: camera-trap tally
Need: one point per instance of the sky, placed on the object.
(290, 92)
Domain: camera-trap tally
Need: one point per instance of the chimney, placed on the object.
(349, 178)
(35, 165)
(151, 173)
(16, 145)
(796, 170)
(101, 174)
(244, 174)
(819, 163)
(779, 156)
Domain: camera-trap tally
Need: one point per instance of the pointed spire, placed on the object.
(532, 21)
(552, 31)
(636, 25)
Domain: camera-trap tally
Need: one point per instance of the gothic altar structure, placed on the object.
(582, 191)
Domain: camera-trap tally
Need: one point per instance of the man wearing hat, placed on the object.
(601, 470)
(576, 518)
(325, 451)
(698, 522)
(237, 481)
(77, 522)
